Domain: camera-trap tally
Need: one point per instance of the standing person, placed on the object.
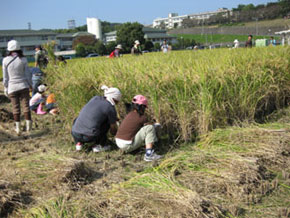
(165, 47)
(249, 43)
(37, 77)
(96, 118)
(136, 49)
(116, 52)
(40, 58)
(17, 81)
(272, 41)
(135, 130)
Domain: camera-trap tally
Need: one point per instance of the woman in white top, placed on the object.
(17, 81)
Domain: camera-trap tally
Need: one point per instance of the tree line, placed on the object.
(244, 13)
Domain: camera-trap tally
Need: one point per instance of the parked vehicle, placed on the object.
(92, 55)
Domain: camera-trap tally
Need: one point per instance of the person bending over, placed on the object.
(96, 118)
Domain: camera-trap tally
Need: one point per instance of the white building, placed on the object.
(110, 37)
(173, 20)
(151, 34)
(94, 27)
(28, 39)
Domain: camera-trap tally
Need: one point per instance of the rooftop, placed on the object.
(21, 32)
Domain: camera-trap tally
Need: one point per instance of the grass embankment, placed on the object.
(189, 92)
(217, 38)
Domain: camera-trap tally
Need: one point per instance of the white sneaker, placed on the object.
(153, 156)
(79, 146)
(100, 148)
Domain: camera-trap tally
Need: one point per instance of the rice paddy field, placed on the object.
(225, 140)
(189, 92)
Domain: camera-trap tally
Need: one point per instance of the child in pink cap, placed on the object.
(135, 130)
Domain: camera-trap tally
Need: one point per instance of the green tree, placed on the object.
(81, 50)
(148, 45)
(100, 48)
(129, 32)
(157, 46)
(86, 40)
(285, 4)
(110, 47)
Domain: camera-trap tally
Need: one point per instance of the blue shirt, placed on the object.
(94, 115)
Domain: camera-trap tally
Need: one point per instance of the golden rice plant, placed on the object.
(189, 91)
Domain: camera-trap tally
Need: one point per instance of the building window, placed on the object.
(44, 37)
(2, 39)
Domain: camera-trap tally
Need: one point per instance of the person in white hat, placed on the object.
(37, 101)
(95, 120)
(136, 49)
(116, 52)
(236, 43)
(17, 82)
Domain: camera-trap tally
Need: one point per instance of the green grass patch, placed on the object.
(217, 38)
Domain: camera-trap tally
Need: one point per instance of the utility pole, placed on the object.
(257, 32)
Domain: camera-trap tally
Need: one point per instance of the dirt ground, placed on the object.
(43, 165)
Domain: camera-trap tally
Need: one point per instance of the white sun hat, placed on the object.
(13, 45)
(119, 46)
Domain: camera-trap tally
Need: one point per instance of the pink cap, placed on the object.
(140, 99)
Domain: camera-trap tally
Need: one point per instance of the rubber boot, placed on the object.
(17, 128)
(39, 110)
(28, 125)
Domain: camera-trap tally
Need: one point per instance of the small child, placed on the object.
(37, 102)
(51, 104)
(135, 130)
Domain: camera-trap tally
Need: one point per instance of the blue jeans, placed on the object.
(36, 81)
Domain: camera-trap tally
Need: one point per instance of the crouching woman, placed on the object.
(95, 120)
(135, 130)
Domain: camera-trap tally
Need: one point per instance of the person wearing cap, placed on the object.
(116, 52)
(17, 82)
(135, 130)
(40, 57)
(95, 120)
(37, 101)
(136, 49)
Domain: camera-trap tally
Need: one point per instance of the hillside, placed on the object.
(260, 28)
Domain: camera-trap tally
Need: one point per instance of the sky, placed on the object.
(54, 14)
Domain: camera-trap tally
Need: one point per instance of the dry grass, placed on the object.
(231, 172)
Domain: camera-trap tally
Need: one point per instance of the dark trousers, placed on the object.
(100, 139)
(21, 96)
